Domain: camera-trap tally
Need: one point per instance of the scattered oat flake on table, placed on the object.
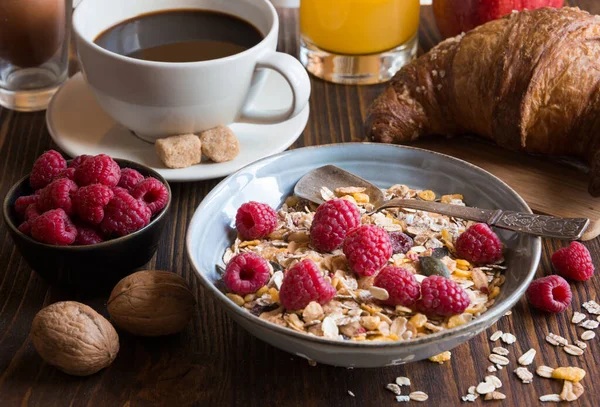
(556, 340)
(588, 335)
(485, 387)
(469, 397)
(551, 397)
(589, 324)
(500, 351)
(498, 359)
(508, 338)
(394, 388)
(578, 317)
(573, 350)
(351, 394)
(545, 371)
(525, 375)
(567, 393)
(578, 389)
(494, 380)
(580, 344)
(402, 381)
(527, 358)
(495, 395)
(496, 335)
(401, 399)
(592, 307)
(418, 396)
(491, 369)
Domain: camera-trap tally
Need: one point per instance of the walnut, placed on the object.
(151, 303)
(74, 338)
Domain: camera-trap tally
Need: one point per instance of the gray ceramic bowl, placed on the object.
(272, 179)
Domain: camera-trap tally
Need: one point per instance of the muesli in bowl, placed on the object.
(338, 272)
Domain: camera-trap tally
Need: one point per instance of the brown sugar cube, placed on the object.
(219, 144)
(179, 151)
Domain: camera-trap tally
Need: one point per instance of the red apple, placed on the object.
(456, 16)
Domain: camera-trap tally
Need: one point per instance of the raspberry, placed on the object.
(255, 220)
(77, 161)
(442, 297)
(25, 228)
(67, 173)
(90, 201)
(58, 195)
(401, 285)
(246, 273)
(574, 262)
(46, 168)
(32, 212)
(54, 227)
(87, 235)
(124, 214)
(332, 222)
(550, 294)
(153, 192)
(129, 179)
(23, 202)
(367, 249)
(401, 242)
(100, 169)
(479, 245)
(304, 283)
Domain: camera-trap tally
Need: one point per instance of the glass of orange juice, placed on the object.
(358, 41)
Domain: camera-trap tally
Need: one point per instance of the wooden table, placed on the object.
(214, 362)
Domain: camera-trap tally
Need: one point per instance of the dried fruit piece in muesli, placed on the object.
(401, 242)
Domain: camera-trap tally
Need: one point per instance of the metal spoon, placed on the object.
(332, 177)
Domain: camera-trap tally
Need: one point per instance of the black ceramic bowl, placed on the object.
(101, 264)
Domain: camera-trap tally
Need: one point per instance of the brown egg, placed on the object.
(31, 31)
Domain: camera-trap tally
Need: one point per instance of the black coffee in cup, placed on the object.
(180, 35)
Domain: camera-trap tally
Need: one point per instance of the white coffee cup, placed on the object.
(160, 99)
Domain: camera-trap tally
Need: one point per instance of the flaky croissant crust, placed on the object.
(529, 81)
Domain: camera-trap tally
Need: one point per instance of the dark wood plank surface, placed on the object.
(216, 363)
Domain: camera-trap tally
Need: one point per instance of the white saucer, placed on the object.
(79, 126)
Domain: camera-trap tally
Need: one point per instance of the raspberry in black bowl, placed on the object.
(91, 220)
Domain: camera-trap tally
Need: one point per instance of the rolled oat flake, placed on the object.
(588, 335)
(418, 396)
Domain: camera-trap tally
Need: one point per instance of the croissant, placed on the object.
(529, 81)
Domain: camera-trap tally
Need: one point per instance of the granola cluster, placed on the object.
(356, 312)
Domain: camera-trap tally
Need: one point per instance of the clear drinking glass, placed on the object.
(34, 51)
(358, 41)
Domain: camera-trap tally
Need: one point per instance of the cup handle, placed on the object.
(295, 75)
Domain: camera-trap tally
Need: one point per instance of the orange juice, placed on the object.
(356, 27)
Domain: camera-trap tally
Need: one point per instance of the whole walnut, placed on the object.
(151, 303)
(74, 338)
